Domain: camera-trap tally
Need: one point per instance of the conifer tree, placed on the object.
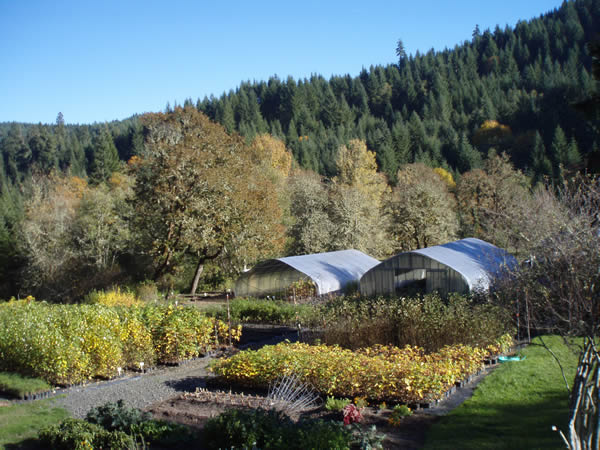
(104, 156)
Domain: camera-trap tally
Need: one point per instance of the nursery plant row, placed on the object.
(70, 344)
(380, 373)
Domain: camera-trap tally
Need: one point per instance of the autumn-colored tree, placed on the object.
(73, 235)
(46, 230)
(272, 152)
(490, 134)
(198, 193)
(446, 176)
(100, 229)
(357, 223)
(357, 166)
(422, 211)
(493, 201)
(356, 199)
(311, 228)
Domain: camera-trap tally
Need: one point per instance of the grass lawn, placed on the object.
(18, 386)
(514, 407)
(20, 423)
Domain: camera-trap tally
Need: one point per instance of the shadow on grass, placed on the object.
(27, 444)
(516, 426)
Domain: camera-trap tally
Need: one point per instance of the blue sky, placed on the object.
(107, 60)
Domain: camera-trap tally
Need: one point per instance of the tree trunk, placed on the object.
(199, 270)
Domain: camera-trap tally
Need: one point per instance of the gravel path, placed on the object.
(137, 391)
(155, 386)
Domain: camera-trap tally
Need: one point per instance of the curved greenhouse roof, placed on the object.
(330, 272)
(461, 266)
(473, 258)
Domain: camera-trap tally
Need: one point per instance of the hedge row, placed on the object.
(379, 373)
(68, 344)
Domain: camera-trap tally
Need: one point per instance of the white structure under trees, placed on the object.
(462, 266)
(330, 272)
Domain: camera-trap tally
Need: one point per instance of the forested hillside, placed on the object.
(510, 89)
(492, 117)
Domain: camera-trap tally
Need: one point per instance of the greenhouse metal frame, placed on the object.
(463, 266)
(330, 272)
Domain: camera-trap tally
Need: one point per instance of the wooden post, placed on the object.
(297, 318)
(228, 318)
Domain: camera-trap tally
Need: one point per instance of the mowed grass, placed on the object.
(21, 422)
(18, 386)
(515, 406)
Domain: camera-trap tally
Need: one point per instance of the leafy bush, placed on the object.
(77, 434)
(428, 322)
(137, 423)
(180, 333)
(266, 311)
(336, 404)
(66, 344)
(117, 416)
(323, 434)
(405, 375)
(147, 291)
(352, 414)
(161, 432)
(398, 413)
(114, 297)
(267, 429)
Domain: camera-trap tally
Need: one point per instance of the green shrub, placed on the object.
(267, 311)
(77, 434)
(245, 429)
(272, 430)
(161, 432)
(67, 344)
(117, 416)
(137, 423)
(429, 322)
(323, 434)
(336, 404)
(147, 291)
(401, 411)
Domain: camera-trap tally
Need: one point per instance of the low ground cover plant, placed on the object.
(406, 375)
(67, 344)
(268, 429)
(336, 404)
(114, 426)
(17, 386)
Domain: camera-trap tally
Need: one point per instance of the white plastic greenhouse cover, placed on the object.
(333, 270)
(473, 258)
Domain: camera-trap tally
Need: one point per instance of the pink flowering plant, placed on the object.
(351, 414)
